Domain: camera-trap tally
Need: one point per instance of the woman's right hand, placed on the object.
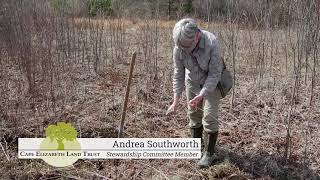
(172, 109)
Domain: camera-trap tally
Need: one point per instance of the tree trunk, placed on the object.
(60, 145)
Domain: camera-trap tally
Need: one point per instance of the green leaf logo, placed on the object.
(61, 144)
(61, 131)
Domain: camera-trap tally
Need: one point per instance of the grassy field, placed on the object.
(78, 72)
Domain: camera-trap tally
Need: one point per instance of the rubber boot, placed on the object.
(197, 132)
(209, 156)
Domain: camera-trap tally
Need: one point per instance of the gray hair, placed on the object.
(184, 32)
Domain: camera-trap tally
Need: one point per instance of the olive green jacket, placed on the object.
(201, 69)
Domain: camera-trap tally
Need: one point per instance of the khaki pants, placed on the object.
(207, 112)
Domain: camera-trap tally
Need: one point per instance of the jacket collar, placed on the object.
(202, 41)
(200, 45)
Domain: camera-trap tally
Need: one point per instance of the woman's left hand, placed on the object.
(195, 101)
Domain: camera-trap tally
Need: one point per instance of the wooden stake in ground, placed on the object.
(126, 98)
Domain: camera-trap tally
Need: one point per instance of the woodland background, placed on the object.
(68, 60)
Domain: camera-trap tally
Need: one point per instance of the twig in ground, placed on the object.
(160, 172)
(126, 98)
(70, 176)
(91, 173)
(4, 151)
(196, 169)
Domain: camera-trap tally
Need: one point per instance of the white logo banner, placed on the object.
(110, 148)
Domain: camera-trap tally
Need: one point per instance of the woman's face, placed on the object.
(193, 45)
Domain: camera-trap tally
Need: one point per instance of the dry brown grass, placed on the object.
(253, 131)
